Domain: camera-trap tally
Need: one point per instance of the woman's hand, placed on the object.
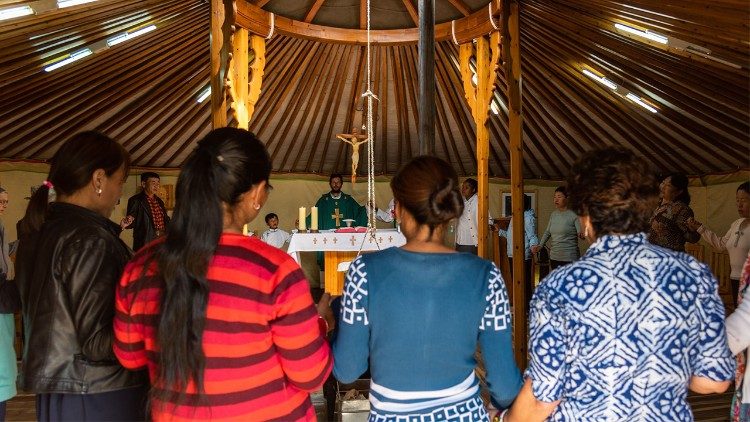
(325, 311)
(126, 221)
(693, 224)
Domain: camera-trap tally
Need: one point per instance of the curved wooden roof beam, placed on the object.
(310, 15)
(258, 21)
(461, 7)
(412, 11)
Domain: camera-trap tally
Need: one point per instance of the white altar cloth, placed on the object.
(330, 241)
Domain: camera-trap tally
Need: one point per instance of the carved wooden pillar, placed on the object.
(487, 58)
(512, 55)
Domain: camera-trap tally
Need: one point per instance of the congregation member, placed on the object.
(467, 236)
(386, 215)
(669, 223)
(146, 213)
(739, 341)
(224, 322)
(530, 240)
(563, 231)
(622, 333)
(9, 303)
(415, 314)
(274, 236)
(336, 206)
(67, 271)
(736, 242)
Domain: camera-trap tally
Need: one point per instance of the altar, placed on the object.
(341, 247)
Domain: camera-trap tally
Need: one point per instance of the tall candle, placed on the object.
(314, 218)
(302, 216)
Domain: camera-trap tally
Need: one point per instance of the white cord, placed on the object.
(273, 26)
(453, 32)
(371, 223)
(492, 21)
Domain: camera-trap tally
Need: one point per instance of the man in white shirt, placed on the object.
(466, 229)
(274, 236)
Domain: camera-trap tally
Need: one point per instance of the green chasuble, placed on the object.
(332, 212)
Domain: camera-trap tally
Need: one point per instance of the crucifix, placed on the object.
(337, 216)
(355, 140)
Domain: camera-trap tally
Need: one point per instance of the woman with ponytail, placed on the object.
(224, 323)
(416, 313)
(69, 261)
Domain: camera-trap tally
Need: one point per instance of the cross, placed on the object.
(325, 240)
(335, 240)
(353, 239)
(390, 239)
(380, 240)
(315, 240)
(337, 216)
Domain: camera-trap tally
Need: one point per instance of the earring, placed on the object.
(256, 206)
(99, 191)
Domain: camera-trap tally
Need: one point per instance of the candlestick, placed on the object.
(302, 216)
(314, 218)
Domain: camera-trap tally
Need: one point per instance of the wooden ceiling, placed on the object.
(144, 92)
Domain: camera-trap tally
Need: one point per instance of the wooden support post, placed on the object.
(239, 78)
(219, 55)
(487, 57)
(512, 53)
(257, 70)
(426, 77)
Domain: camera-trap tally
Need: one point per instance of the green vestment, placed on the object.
(347, 208)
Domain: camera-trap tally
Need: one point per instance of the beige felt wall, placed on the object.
(713, 203)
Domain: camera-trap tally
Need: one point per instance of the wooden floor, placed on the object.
(712, 408)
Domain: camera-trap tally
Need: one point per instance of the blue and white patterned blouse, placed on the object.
(416, 319)
(618, 334)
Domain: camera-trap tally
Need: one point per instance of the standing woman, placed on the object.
(669, 224)
(9, 303)
(563, 231)
(67, 270)
(737, 239)
(224, 322)
(416, 313)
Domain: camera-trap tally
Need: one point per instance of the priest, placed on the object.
(335, 206)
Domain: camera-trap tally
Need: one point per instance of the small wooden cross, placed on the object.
(337, 216)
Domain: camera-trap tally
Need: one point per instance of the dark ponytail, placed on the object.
(71, 169)
(226, 164)
(427, 187)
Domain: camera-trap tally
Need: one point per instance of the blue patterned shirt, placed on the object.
(618, 334)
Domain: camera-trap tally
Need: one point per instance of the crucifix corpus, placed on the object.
(355, 140)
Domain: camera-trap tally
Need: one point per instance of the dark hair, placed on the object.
(335, 175)
(148, 175)
(680, 181)
(271, 215)
(563, 190)
(427, 187)
(744, 187)
(71, 169)
(472, 184)
(226, 163)
(616, 189)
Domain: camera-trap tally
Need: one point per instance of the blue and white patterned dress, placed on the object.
(618, 334)
(416, 318)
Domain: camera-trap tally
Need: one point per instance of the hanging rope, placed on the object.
(371, 222)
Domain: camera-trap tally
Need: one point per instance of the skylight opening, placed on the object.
(204, 94)
(72, 57)
(15, 12)
(620, 90)
(653, 36)
(601, 79)
(129, 35)
(68, 3)
(638, 100)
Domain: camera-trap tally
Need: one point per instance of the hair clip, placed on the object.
(48, 184)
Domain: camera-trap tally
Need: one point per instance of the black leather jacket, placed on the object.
(66, 275)
(143, 223)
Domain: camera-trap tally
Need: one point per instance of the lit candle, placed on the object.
(314, 218)
(244, 229)
(302, 216)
